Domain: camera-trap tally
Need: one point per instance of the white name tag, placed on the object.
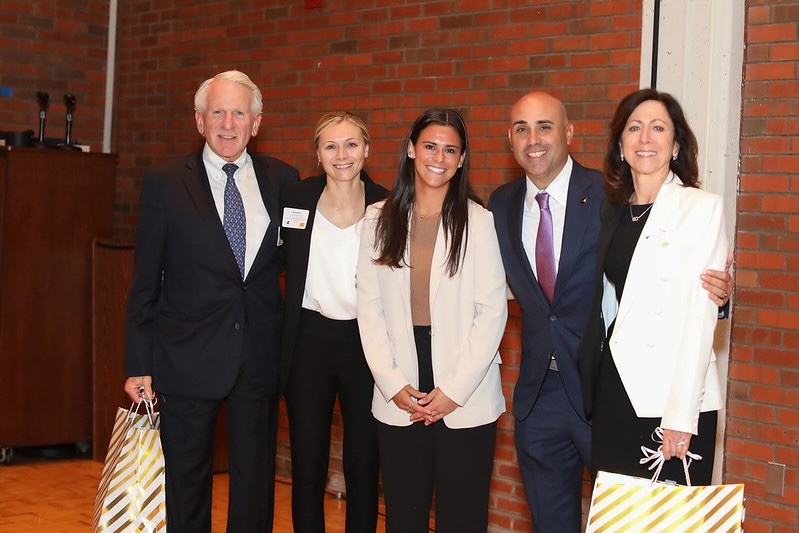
(295, 218)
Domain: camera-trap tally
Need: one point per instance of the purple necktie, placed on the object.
(233, 220)
(544, 248)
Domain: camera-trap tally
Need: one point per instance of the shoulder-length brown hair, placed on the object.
(393, 224)
(618, 177)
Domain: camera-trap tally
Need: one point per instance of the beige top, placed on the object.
(422, 244)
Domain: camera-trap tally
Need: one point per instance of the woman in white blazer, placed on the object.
(659, 234)
(431, 311)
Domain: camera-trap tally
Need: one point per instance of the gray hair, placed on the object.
(235, 76)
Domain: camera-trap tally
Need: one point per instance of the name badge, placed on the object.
(295, 218)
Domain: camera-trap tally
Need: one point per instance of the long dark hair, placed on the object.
(618, 177)
(393, 224)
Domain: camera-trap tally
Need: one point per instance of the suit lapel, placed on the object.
(656, 231)
(270, 194)
(515, 214)
(403, 278)
(302, 238)
(195, 179)
(578, 218)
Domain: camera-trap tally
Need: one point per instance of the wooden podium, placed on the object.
(53, 203)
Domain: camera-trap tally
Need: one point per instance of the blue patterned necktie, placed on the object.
(544, 248)
(234, 220)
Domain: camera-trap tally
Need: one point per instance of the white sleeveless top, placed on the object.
(330, 282)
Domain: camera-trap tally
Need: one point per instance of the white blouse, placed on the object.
(330, 282)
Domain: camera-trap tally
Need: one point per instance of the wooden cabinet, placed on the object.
(112, 275)
(53, 203)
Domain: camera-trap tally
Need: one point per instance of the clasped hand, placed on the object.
(424, 407)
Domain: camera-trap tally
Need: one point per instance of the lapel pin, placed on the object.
(583, 200)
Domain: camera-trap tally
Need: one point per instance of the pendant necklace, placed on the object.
(637, 218)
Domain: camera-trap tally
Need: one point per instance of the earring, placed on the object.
(460, 165)
(411, 155)
(622, 158)
(674, 157)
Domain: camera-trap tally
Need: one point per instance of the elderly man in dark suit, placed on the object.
(548, 223)
(205, 309)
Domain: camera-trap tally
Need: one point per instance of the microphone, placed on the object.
(69, 101)
(44, 100)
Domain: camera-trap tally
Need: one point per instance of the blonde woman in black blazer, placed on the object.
(322, 355)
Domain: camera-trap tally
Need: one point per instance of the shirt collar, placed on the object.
(213, 161)
(558, 189)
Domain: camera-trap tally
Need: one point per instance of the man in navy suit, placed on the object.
(204, 321)
(553, 436)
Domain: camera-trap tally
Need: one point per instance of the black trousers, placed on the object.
(187, 435)
(329, 363)
(419, 461)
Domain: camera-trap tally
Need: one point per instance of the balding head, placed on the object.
(540, 134)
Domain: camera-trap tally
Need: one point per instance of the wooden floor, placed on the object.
(57, 496)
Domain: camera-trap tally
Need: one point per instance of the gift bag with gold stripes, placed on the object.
(633, 504)
(132, 493)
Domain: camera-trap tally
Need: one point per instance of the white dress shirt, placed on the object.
(254, 209)
(558, 192)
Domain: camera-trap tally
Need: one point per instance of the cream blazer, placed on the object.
(467, 312)
(662, 342)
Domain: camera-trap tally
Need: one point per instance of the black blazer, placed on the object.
(555, 328)
(593, 342)
(305, 195)
(191, 319)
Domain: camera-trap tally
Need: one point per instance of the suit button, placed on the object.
(237, 326)
(552, 318)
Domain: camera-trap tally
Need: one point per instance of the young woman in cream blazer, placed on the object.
(431, 311)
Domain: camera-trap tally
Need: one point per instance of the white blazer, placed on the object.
(467, 312)
(662, 342)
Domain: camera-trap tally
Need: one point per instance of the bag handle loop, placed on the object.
(656, 457)
(149, 408)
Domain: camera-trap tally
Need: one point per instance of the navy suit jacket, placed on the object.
(305, 195)
(191, 319)
(556, 328)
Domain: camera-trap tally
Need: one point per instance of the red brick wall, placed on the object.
(55, 47)
(763, 403)
(390, 60)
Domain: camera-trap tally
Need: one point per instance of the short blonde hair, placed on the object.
(337, 117)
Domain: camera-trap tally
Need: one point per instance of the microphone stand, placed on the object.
(44, 100)
(69, 101)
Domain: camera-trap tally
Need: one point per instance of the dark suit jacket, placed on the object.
(551, 329)
(191, 319)
(593, 342)
(305, 195)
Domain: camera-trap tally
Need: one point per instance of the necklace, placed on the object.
(637, 218)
